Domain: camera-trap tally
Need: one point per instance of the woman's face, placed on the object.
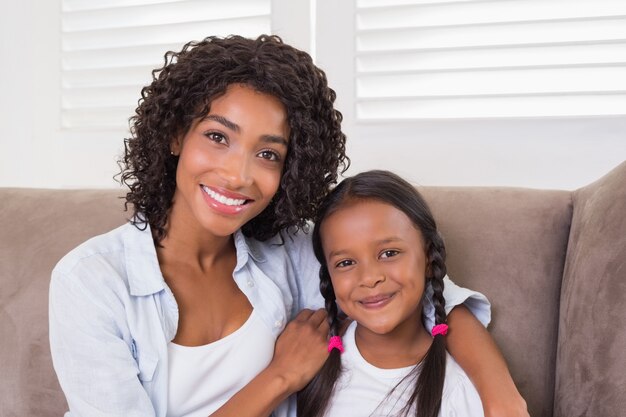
(231, 161)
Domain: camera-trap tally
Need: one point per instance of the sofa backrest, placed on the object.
(38, 227)
(510, 244)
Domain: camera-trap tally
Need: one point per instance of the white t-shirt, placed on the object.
(203, 378)
(363, 389)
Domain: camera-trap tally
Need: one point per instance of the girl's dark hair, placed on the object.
(388, 188)
(182, 91)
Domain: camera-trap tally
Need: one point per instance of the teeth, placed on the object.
(222, 199)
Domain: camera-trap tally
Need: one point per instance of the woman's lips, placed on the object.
(224, 201)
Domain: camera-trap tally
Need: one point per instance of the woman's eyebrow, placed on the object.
(235, 127)
(275, 139)
(224, 121)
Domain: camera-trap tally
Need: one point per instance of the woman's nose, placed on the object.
(236, 169)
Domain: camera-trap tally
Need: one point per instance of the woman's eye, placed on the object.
(344, 263)
(389, 253)
(216, 137)
(269, 155)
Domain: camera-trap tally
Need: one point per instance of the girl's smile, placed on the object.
(377, 301)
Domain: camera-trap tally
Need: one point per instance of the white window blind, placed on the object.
(433, 59)
(109, 48)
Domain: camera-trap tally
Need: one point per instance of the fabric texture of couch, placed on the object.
(552, 262)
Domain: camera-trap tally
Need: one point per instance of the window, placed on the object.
(493, 92)
(430, 59)
(109, 48)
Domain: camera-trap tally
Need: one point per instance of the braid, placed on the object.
(314, 398)
(328, 292)
(437, 271)
(429, 384)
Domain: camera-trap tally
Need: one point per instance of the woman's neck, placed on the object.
(198, 268)
(404, 346)
(189, 243)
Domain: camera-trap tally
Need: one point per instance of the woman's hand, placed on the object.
(301, 349)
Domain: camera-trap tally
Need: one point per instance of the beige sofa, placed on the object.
(553, 263)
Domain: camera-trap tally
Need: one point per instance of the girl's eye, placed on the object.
(344, 263)
(389, 253)
(215, 137)
(269, 155)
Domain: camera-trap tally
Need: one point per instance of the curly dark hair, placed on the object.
(182, 91)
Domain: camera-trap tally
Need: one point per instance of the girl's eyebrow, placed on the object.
(377, 242)
(336, 253)
(235, 128)
(389, 240)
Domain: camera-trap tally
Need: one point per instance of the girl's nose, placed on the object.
(372, 276)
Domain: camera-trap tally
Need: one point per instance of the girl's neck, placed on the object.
(404, 346)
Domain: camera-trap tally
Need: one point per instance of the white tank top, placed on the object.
(203, 378)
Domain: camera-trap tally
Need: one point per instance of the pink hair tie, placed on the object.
(441, 329)
(335, 343)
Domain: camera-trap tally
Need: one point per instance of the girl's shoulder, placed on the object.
(455, 375)
(459, 396)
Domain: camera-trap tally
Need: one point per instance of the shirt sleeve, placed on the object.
(454, 295)
(307, 270)
(95, 366)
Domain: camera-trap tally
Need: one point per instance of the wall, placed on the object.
(35, 152)
(545, 153)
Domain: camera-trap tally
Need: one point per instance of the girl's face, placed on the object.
(231, 161)
(377, 264)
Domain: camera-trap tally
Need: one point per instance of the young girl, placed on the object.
(378, 246)
(179, 312)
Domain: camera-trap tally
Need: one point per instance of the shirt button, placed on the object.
(250, 283)
(278, 323)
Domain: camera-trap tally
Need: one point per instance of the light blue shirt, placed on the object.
(112, 315)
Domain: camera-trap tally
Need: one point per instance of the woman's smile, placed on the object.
(224, 201)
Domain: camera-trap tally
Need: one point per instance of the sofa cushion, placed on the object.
(37, 227)
(590, 377)
(510, 244)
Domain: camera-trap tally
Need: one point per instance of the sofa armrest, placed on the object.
(591, 358)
